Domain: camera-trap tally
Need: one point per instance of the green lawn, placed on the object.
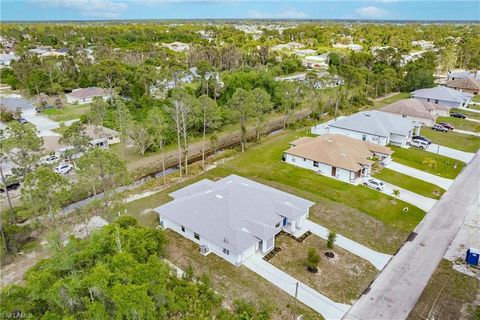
(474, 106)
(392, 99)
(459, 141)
(410, 183)
(414, 158)
(461, 124)
(469, 114)
(69, 112)
(476, 98)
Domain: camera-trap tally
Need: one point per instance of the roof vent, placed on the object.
(367, 115)
(343, 154)
(245, 184)
(219, 196)
(208, 191)
(225, 239)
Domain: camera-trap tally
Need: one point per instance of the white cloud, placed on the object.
(88, 8)
(288, 13)
(371, 12)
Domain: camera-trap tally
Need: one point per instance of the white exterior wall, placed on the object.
(71, 99)
(450, 104)
(359, 135)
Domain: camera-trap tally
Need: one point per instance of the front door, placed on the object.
(334, 171)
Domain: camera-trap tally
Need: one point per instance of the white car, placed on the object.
(63, 168)
(50, 159)
(375, 184)
(418, 143)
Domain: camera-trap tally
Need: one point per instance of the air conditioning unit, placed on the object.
(204, 249)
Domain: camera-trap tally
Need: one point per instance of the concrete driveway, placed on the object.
(396, 290)
(408, 196)
(470, 133)
(44, 125)
(451, 153)
(419, 174)
(329, 309)
(378, 259)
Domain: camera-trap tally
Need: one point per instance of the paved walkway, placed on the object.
(469, 109)
(470, 133)
(396, 290)
(451, 153)
(473, 120)
(408, 196)
(419, 174)
(378, 259)
(329, 309)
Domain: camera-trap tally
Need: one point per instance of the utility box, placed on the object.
(472, 256)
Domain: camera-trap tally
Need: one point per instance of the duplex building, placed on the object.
(374, 126)
(337, 156)
(468, 85)
(233, 217)
(420, 111)
(443, 95)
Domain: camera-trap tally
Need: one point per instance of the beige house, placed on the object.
(337, 156)
(419, 111)
(466, 85)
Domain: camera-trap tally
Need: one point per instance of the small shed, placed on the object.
(472, 256)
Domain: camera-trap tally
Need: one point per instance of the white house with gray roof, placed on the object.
(443, 95)
(233, 217)
(372, 126)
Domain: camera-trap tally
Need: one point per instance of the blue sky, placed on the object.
(265, 9)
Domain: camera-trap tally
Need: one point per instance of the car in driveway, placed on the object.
(375, 184)
(51, 159)
(437, 127)
(422, 138)
(63, 168)
(458, 115)
(418, 143)
(447, 125)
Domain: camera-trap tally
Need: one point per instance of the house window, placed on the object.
(315, 164)
(293, 159)
(404, 115)
(226, 251)
(183, 229)
(364, 137)
(304, 159)
(196, 236)
(436, 101)
(428, 100)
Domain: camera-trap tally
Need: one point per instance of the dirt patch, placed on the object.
(341, 278)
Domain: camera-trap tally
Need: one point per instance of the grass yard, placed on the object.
(410, 183)
(448, 295)
(69, 112)
(469, 114)
(342, 278)
(462, 124)
(235, 283)
(392, 99)
(476, 98)
(459, 141)
(474, 106)
(414, 158)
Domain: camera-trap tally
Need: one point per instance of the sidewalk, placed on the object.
(471, 133)
(451, 153)
(329, 309)
(408, 196)
(378, 259)
(419, 174)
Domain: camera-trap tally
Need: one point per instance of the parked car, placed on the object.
(447, 125)
(422, 138)
(51, 159)
(22, 120)
(63, 168)
(375, 184)
(437, 127)
(458, 115)
(11, 182)
(418, 143)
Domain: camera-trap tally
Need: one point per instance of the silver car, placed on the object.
(375, 184)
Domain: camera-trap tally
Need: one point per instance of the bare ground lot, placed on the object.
(235, 282)
(341, 278)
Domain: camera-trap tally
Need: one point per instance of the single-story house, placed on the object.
(287, 46)
(177, 46)
(420, 111)
(16, 104)
(234, 217)
(351, 46)
(7, 58)
(423, 44)
(373, 126)
(304, 52)
(469, 85)
(462, 74)
(443, 95)
(318, 61)
(101, 136)
(86, 95)
(338, 156)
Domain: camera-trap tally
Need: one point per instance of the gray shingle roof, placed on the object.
(11, 104)
(441, 93)
(375, 123)
(233, 212)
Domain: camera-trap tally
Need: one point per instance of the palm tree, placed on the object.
(430, 163)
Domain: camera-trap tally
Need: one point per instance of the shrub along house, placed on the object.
(373, 126)
(337, 156)
(234, 217)
(419, 111)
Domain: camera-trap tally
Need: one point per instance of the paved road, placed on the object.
(408, 196)
(419, 174)
(327, 308)
(397, 289)
(378, 259)
(451, 153)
